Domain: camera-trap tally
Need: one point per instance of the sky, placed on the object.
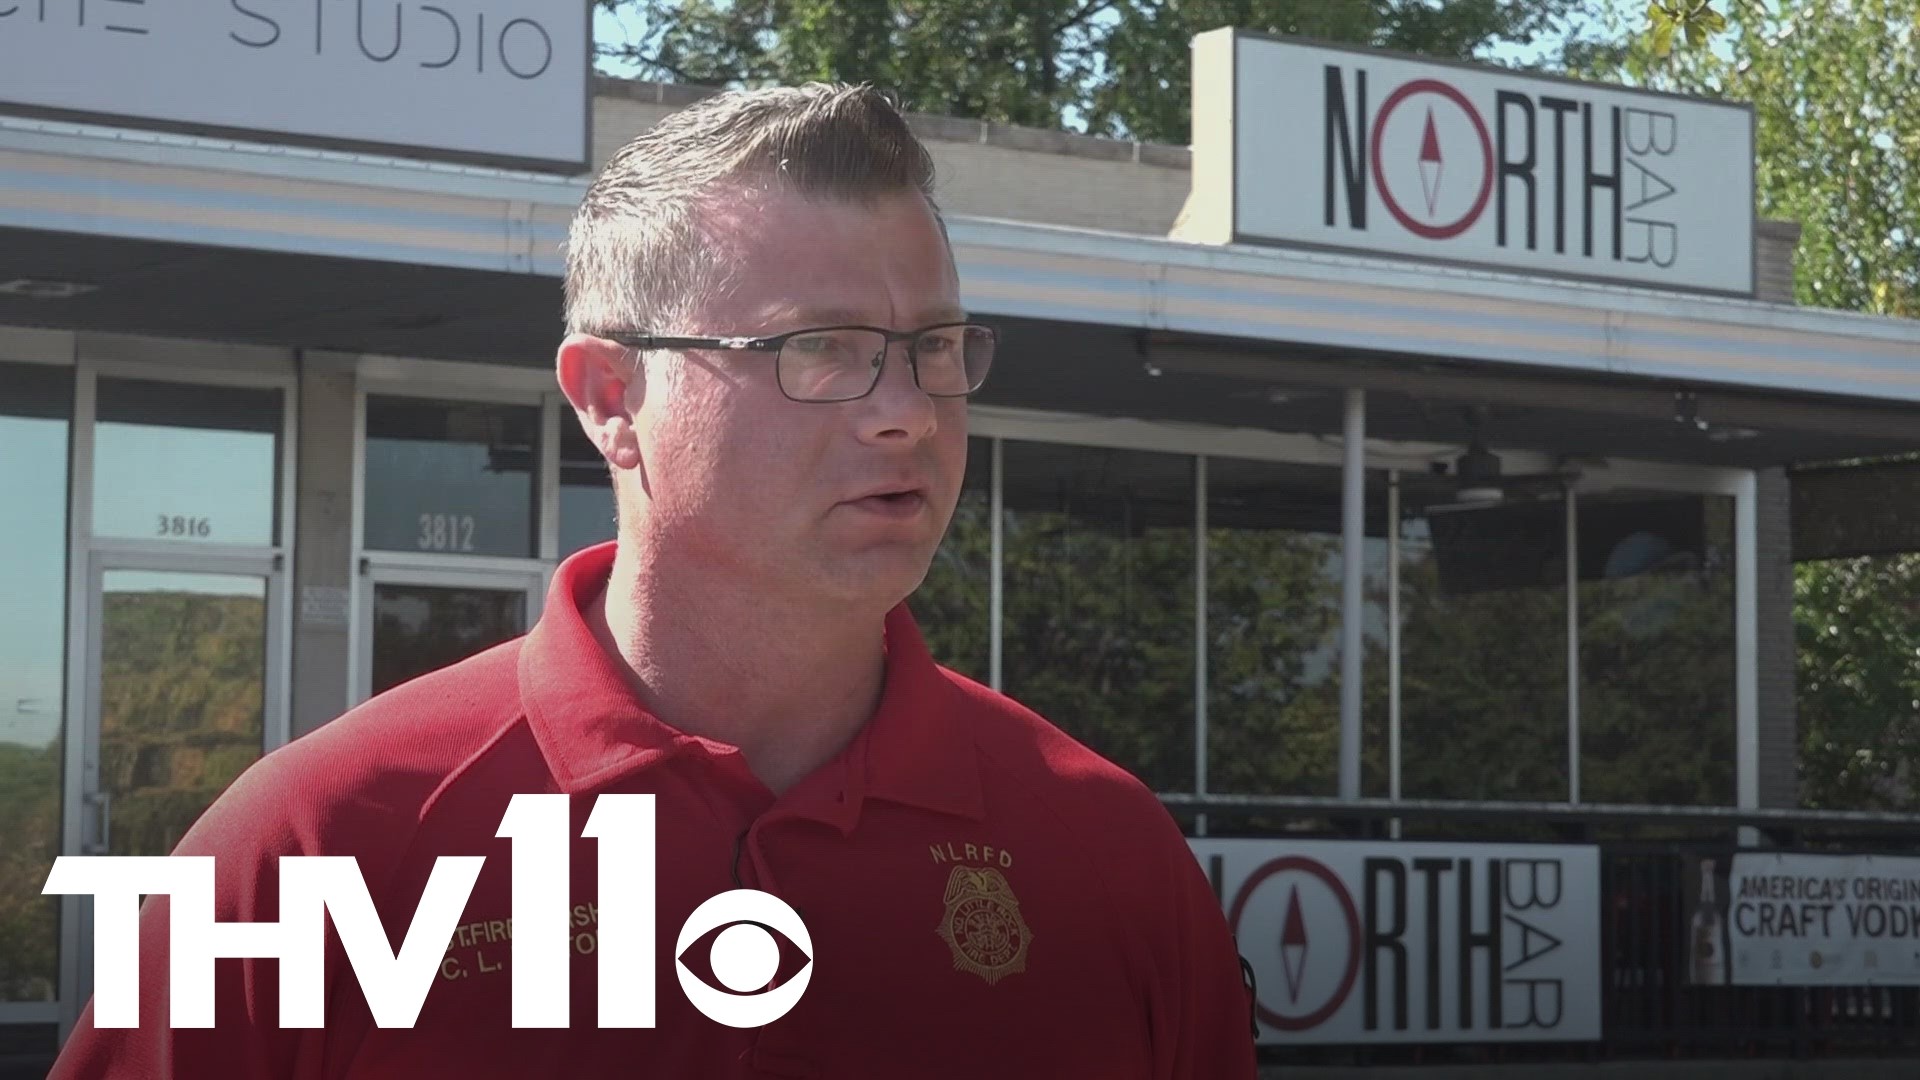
(628, 26)
(608, 27)
(33, 592)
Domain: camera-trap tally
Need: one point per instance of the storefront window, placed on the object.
(423, 628)
(1483, 648)
(952, 606)
(185, 461)
(1656, 650)
(586, 491)
(1099, 605)
(452, 477)
(36, 410)
(183, 697)
(1274, 570)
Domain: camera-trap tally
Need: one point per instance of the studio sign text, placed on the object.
(423, 35)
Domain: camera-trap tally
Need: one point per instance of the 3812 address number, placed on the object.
(445, 532)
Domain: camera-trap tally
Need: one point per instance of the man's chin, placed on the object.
(877, 580)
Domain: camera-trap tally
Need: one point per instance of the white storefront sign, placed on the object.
(1356, 942)
(491, 79)
(1337, 148)
(1823, 920)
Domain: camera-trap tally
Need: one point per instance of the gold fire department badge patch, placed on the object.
(983, 926)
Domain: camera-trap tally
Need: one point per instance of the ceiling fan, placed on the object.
(1477, 478)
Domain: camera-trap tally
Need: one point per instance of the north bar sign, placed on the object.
(1399, 942)
(1313, 146)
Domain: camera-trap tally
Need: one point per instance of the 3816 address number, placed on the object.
(183, 526)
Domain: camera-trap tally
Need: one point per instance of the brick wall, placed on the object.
(1773, 244)
(982, 170)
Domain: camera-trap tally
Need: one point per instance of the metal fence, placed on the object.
(1649, 1008)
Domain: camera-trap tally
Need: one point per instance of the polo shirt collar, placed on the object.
(589, 725)
(917, 750)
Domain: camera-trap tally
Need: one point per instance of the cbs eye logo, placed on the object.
(744, 958)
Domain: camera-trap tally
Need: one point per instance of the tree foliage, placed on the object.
(1858, 622)
(1108, 67)
(1835, 88)
(1691, 21)
(29, 922)
(182, 689)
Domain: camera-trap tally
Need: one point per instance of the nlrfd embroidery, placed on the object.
(983, 926)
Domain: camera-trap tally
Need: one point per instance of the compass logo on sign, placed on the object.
(1432, 159)
(1299, 909)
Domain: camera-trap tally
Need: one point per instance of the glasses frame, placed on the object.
(774, 343)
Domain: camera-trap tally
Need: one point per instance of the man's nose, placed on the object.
(897, 408)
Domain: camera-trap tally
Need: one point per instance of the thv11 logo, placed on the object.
(313, 887)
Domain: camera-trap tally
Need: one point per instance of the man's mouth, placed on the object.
(902, 502)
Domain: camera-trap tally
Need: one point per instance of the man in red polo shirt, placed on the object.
(766, 342)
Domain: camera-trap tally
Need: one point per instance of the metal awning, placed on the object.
(282, 245)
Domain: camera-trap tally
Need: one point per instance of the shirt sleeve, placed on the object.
(241, 831)
(1203, 1014)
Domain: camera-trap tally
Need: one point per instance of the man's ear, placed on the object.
(605, 383)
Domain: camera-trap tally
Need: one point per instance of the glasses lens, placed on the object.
(954, 359)
(831, 365)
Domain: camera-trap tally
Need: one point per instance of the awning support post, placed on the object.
(1353, 540)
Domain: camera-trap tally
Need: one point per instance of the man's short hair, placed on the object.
(637, 258)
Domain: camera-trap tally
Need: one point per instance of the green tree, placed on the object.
(182, 690)
(1835, 87)
(1273, 686)
(951, 606)
(1112, 67)
(1143, 88)
(1483, 686)
(29, 922)
(1858, 622)
(1693, 22)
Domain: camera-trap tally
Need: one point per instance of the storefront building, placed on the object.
(1294, 477)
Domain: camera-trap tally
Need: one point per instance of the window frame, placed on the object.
(999, 424)
(456, 382)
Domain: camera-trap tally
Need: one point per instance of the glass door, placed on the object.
(183, 689)
(419, 620)
(176, 658)
(450, 533)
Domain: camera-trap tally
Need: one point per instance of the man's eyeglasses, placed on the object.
(843, 363)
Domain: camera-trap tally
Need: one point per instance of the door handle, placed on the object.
(102, 802)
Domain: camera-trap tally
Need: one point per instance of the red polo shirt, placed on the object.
(985, 896)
